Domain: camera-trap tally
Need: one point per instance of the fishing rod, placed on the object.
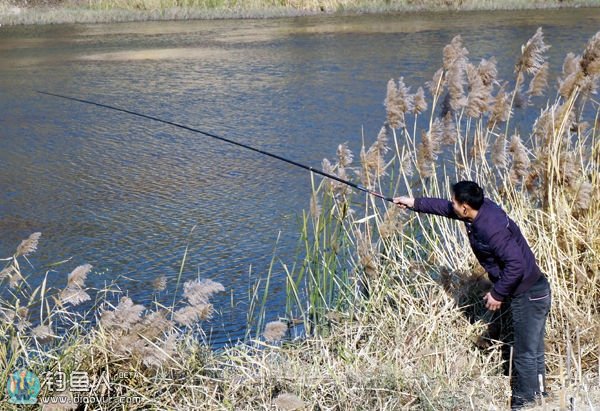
(195, 130)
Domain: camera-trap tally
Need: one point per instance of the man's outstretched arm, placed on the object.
(437, 206)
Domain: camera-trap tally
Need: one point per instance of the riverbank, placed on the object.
(113, 11)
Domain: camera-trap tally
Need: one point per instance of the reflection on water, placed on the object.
(123, 193)
(158, 54)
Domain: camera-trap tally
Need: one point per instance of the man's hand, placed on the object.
(404, 202)
(491, 303)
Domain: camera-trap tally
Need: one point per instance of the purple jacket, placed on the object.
(497, 243)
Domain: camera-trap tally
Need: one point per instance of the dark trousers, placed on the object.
(520, 324)
(529, 311)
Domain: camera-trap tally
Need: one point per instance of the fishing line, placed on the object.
(226, 140)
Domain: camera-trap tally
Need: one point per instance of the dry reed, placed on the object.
(275, 331)
(420, 338)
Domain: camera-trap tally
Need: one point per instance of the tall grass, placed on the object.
(548, 182)
(390, 301)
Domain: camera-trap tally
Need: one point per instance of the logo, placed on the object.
(23, 387)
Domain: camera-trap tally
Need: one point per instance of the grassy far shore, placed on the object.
(14, 12)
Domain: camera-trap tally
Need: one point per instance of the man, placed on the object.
(517, 280)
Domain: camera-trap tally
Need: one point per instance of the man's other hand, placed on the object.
(491, 303)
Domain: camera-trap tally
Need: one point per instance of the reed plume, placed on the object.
(398, 102)
(22, 315)
(425, 156)
(543, 127)
(571, 74)
(142, 339)
(43, 334)
(455, 64)
(124, 316)
(14, 275)
(191, 314)
(564, 119)
(158, 353)
(533, 181)
(197, 293)
(344, 155)
(589, 85)
(345, 159)
(436, 85)
(520, 160)
(340, 188)
(74, 293)
(449, 133)
(456, 84)
(405, 100)
(406, 165)
(289, 402)
(395, 116)
(501, 108)
(582, 71)
(28, 246)
(499, 155)
(532, 54)
(488, 71)
(275, 331)
(7, 315)
(6, 272)
(419, 102)
(372, 161)
(200, 291)
(590, 61)
(78, 276)
(436, 134)
(454, 52)
(331, 185)
(160, 283)
(539, 82)
(74, 296)
(327, 167)
(570, 64)
(570, 172)
(153, 325)
(479, 95)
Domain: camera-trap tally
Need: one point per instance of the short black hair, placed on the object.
(468, 192)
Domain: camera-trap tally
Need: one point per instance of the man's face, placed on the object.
(459, 208)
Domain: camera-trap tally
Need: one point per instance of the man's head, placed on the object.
(467, 198)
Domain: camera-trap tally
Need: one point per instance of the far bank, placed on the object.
(18, 12)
